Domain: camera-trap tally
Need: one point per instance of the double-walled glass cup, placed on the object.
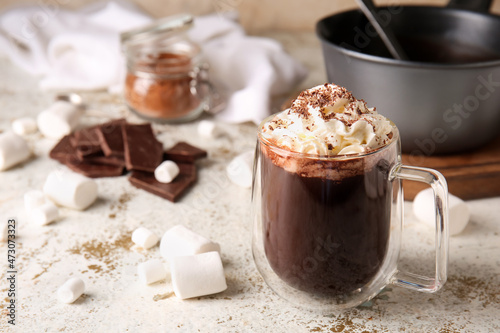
(327, 229)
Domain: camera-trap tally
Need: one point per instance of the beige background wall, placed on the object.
(256, 15)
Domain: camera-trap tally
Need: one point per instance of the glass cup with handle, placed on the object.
(327, 230)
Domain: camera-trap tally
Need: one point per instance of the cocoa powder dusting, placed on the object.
(104, 252)
(343, 324)
(486, 290)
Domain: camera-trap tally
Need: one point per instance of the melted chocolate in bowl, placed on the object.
(326, 222)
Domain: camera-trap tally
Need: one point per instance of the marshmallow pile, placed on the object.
(424, 209)
(195, 263)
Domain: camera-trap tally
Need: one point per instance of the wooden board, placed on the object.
(471, 175)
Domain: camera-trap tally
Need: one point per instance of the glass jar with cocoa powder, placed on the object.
(166, 79)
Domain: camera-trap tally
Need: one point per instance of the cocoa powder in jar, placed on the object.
(159, 86)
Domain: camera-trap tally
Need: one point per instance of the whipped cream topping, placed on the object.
(328, 120)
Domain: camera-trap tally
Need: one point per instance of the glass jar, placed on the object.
(166, 78)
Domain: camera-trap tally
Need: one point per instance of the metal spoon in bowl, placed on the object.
(385, 33)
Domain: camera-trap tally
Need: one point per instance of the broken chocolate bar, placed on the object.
(170, 191)
(142, 151)
(183, 152)
(132, 146)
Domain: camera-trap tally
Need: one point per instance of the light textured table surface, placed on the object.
(95, 245)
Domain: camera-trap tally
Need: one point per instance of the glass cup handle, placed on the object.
(438, 183)
(201, 86)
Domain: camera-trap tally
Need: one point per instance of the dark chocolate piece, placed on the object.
(170, 191)
(106, 160)
(183, 152)
(63, 150)
(86, 142)
(83, 153)
(141, 149)
(94, 170)
(111, 137)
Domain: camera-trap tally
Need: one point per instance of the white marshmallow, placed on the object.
(144, 238)
(4, 231)
(240, 170)
(59, 119)
(33, 199)
(424, 210)
(151, 271)
(13, 150)
(71, 290)
(180, 241)
(209, 129)
(44, 214)
(70, 189)
(23, 126)
(166, 171)
(198, 275)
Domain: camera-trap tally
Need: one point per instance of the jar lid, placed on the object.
(157, 29)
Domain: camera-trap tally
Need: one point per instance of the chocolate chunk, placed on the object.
(63, 150)
(183, 152)
(83, 153)
(170, 191)
(86, 142)
(106, 160)
(94, 170)
(111, 138)
(142, 151)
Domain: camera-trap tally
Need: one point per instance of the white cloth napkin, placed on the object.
(250, 70)
(70, 50)
(81, 51)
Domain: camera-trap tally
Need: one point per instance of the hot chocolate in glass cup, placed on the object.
(327, 202)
